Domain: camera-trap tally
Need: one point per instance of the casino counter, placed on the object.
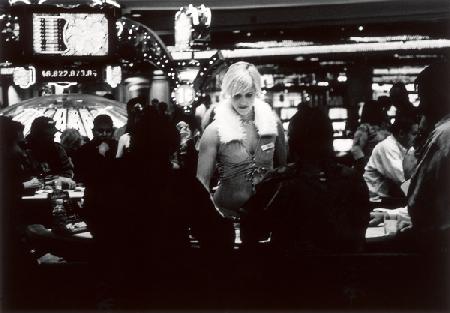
(257, 279)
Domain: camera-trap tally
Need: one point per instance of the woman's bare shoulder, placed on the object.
(210, 134)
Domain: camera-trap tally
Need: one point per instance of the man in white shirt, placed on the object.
(384, 171)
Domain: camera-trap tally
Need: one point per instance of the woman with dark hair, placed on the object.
(47, 157)
(135, 107)
(314, 204)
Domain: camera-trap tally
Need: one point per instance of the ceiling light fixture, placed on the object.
(388, 38)
(413, 70)
(342, 48)
(273, 44)
(320, 49)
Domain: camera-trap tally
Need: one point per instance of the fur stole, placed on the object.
(229, 125)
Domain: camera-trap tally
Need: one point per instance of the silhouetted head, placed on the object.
(310, 134)
(154, 102)
(399, 98)
(10, 131)
(154, 138)
(433, 90)
(135, 108)
(384, 102)
(373, 113)
(162, 107)
(398, 93)
(109, 96)
(43, 130)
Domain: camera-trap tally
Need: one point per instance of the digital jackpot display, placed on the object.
(67, 74)
(70, 34)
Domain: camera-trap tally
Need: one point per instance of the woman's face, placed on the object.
(243, 102)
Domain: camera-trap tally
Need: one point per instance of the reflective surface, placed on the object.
(68, 110)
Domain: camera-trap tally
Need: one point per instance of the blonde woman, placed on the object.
(245, 140)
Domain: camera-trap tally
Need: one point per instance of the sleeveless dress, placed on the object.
(239, 168)
(239, 172)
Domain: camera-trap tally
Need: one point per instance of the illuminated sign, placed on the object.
(57, 74)
(192, 26)
(6, 70)
(24, 77)
(70, 34)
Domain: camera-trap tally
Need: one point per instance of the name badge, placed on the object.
(269, 146)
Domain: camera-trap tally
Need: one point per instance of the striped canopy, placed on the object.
(68, 110)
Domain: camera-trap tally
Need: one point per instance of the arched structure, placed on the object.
(139, 44)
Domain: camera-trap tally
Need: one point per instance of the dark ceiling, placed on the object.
(321, 22)
(324, 21)
(318, 21)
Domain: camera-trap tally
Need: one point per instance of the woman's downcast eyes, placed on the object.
(239, 95)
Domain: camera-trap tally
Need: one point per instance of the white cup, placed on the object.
(390, 223)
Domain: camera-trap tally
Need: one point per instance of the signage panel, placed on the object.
(69, 74)
(70, 34)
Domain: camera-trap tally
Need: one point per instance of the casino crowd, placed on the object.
(164, 179)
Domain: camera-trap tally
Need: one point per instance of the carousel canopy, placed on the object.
(68, 110)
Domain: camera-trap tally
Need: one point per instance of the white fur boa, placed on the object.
(229, 126)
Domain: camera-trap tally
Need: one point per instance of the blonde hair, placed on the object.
(241, 77)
